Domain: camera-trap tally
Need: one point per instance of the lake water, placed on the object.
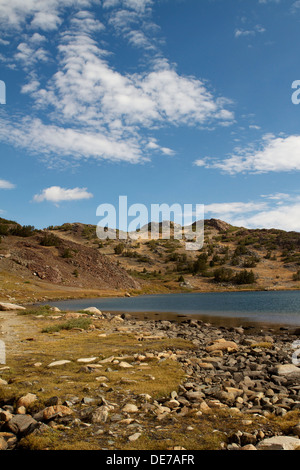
(230, 308)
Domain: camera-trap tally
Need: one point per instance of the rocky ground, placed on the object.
(225, 388)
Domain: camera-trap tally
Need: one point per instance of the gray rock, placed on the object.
(279, 443)
(21, 425)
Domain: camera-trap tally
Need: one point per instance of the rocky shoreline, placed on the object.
(238, 370)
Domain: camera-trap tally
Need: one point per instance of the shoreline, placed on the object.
(114, 294)
(187, 379)
(230, 318)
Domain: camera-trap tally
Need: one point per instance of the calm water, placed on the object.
(274, 308)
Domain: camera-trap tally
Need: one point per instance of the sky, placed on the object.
(162, 101)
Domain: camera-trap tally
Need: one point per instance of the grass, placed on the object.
(82, 323)
(44, 310)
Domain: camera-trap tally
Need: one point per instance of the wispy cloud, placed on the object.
(92, 109)
(258, 29)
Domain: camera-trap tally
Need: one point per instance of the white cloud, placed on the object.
(234, 207)
(249, 32)
(6, 184)
(58, 142)
(275, 154)
(57, 194)
(29, 56)
(284, 217)
(92, 109)
(280, 211)
(45, 15)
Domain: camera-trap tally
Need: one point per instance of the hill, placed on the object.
(70, 261)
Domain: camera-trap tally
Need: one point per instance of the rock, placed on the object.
(107, 360)
(3, 444)
(93, 310)
(86, 360)
(296, 430)
(100, 415)
(248, 447)
(3, 382)
(58, 363)
(7, 307)
(52, 401)
(22, 425)
(172, 404)
(279, 443)
(52, 412)
(125, 365)
(222, 345)
(288, 370)
(130, 408)
(134, 437)
(26, 400)
(195, 396)
(5, 416)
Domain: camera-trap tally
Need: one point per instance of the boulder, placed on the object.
(279, 443)
(22, 425)
(222, 345)
(26, 400)
(56, 411)
(93, 310)
(129, 408)
(7, 307)
(288, 370)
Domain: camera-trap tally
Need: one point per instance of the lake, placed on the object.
(229, 308)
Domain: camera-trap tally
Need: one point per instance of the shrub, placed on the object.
(49, 239)
(119, 248)
(223, 275)
(22, 231)
(67, 253)
(296, 276)
(244, 277)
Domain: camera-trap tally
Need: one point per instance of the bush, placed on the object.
(22, 231)
(244, 277)
(49, 239)
(223, 275)
(227, 275)
(67, 253)
(119, 248)
(296, 276)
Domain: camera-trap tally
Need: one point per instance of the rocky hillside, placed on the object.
(35, 258)
(231, 258)
(68, 260)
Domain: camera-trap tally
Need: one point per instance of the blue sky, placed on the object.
(164, 101)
